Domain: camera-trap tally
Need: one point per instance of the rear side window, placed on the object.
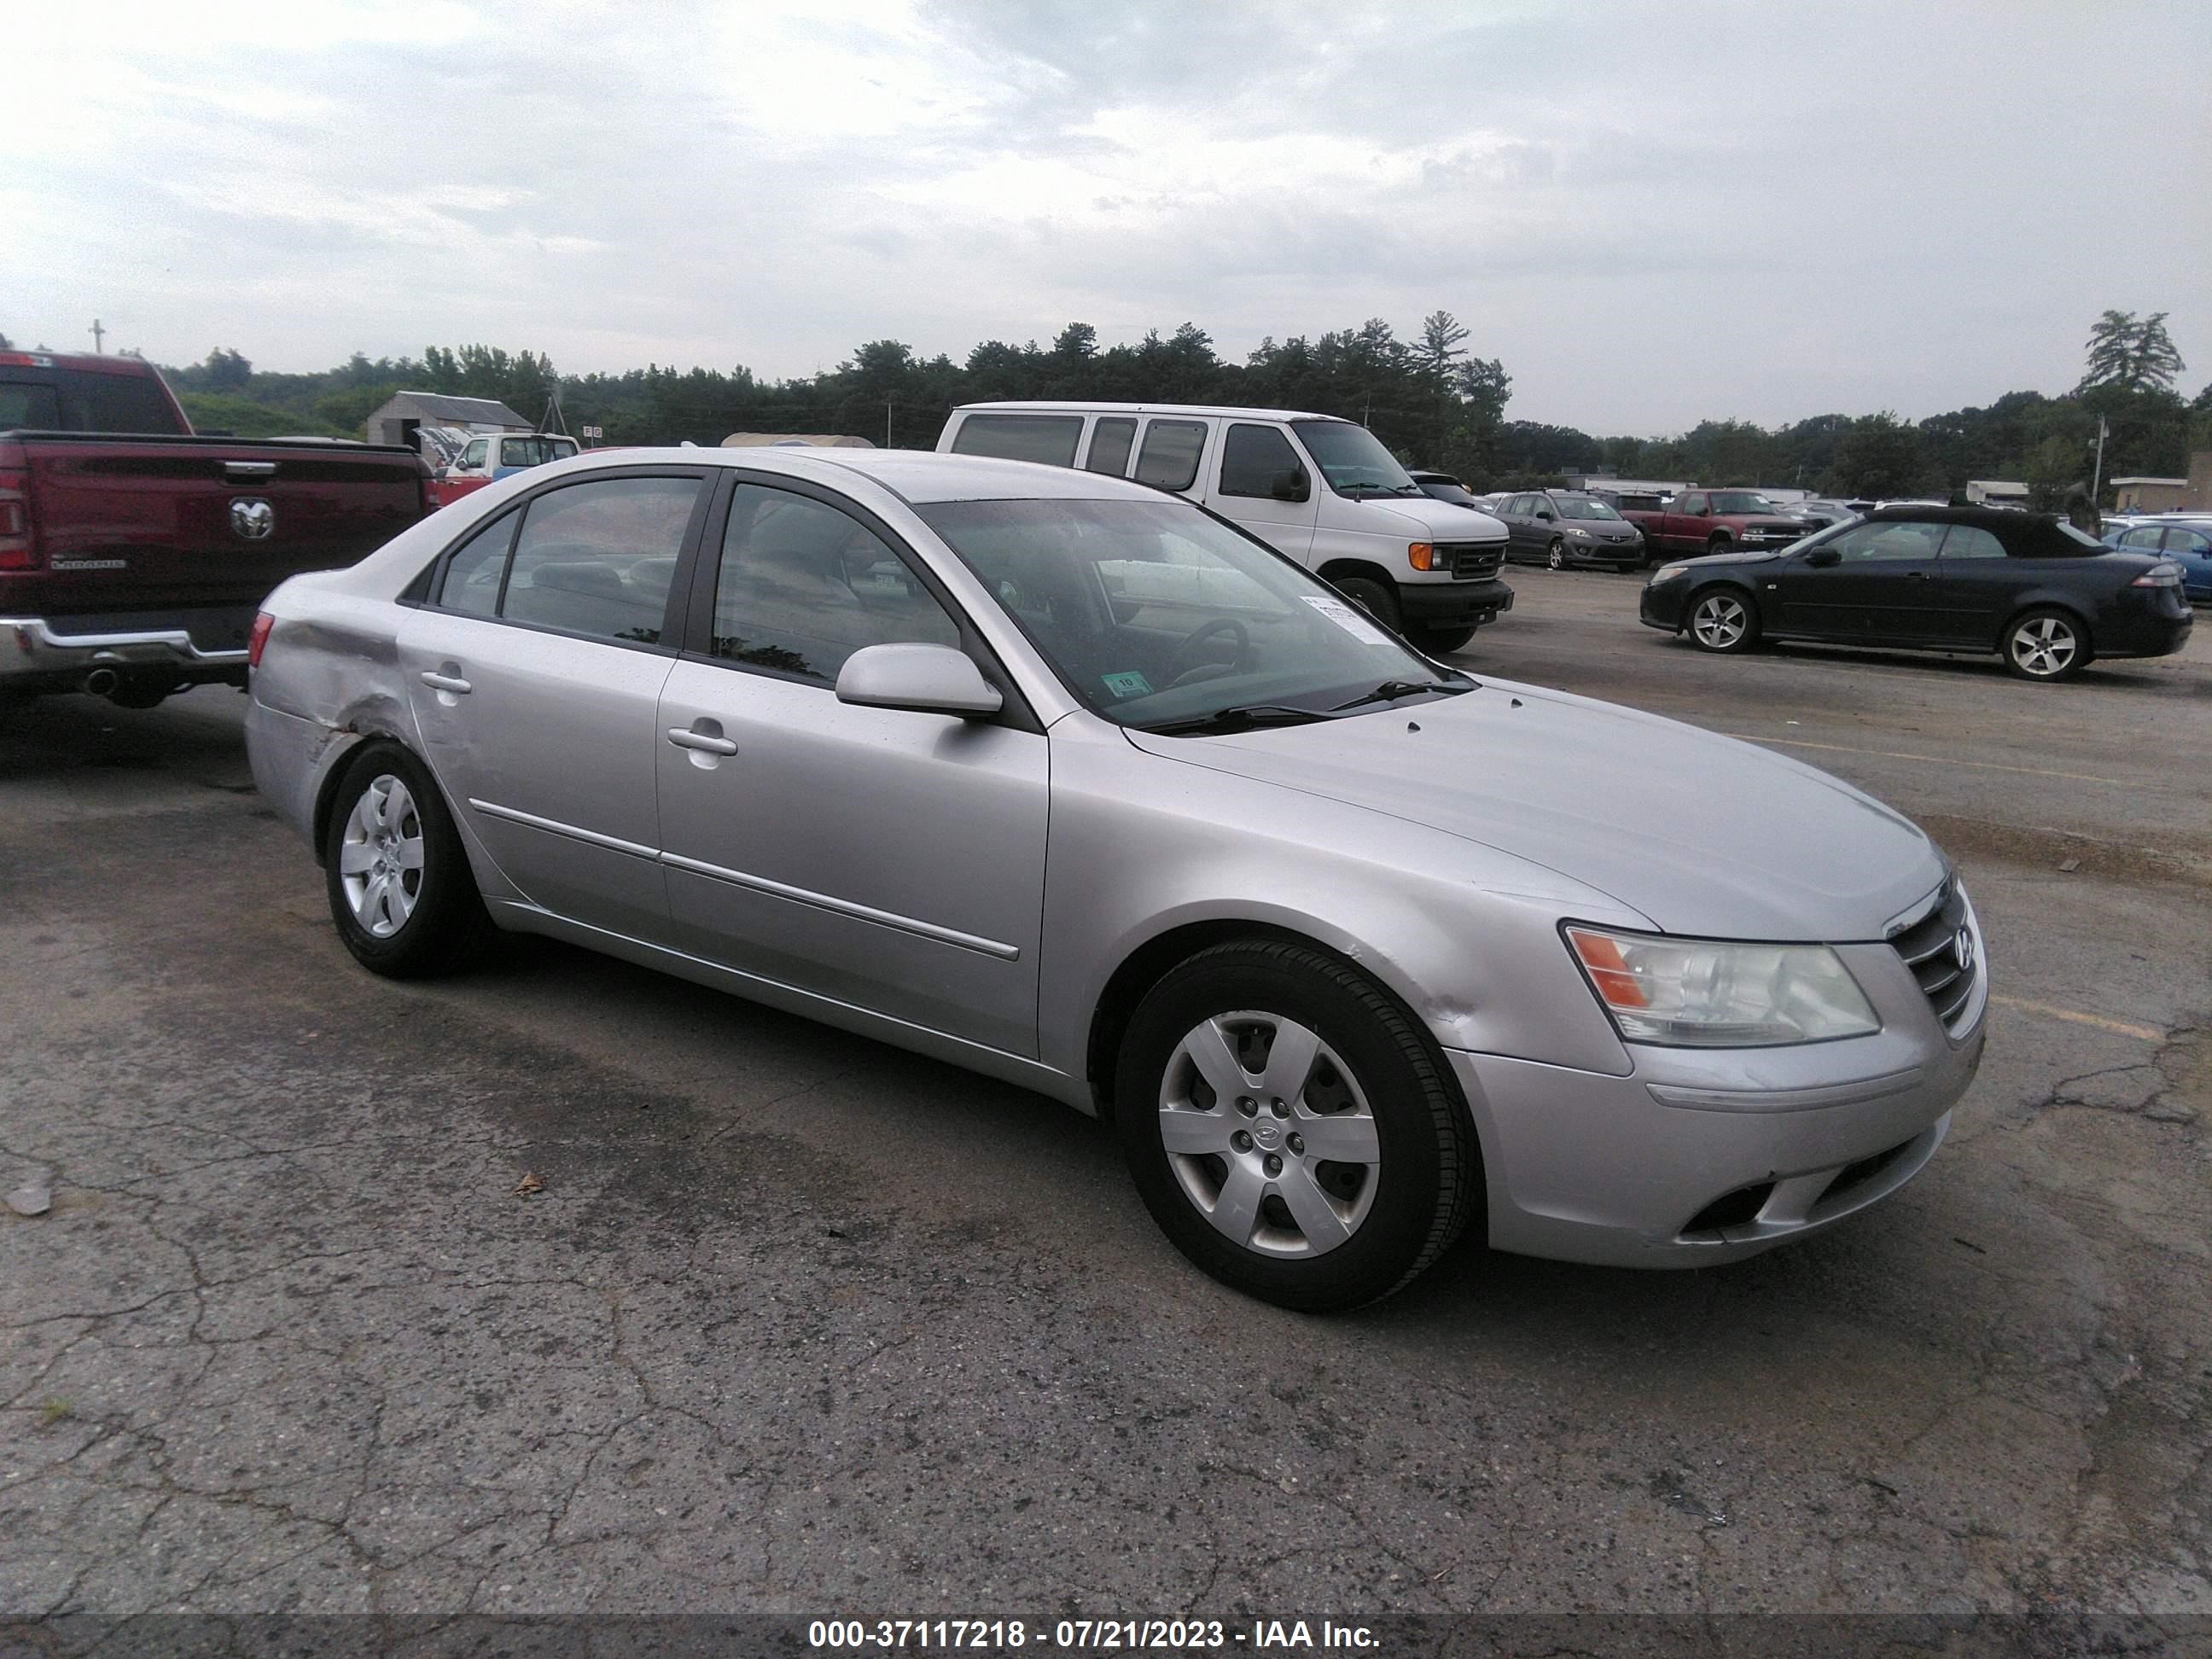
(2142, 536)
(28, 407)
(473, 573)
(1047, 438)
(1253, 458)
(1111, 441)
(1169, 458)
(1889, 538)
(1970, 541)
(122, 402)
(598, 558)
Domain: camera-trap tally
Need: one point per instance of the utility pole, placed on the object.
(98, 334)
(887, 423)
(2097, 479)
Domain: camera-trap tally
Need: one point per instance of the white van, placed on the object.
(1423, 566)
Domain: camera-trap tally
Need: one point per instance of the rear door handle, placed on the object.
(684, 738)
(445, 682)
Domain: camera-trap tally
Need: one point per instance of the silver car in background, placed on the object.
(1076, 785)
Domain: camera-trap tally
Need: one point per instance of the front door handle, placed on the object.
(452, 683)
(1916, 575)
(684, 738)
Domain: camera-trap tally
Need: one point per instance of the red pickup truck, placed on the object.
(134, 555)
(1715, 521)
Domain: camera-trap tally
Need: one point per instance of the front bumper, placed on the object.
(1625, 553)
(39, 654)
(1450, 605)
(1663, 606)
(1622, 1171)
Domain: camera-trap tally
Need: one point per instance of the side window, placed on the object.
(1890, 539)
(2188, 541)
(1969, 541)
(1111, 440)
(2144, 536)
(1047, 438)
(1169, 457)
(598, 558)
(473, 456)
(1521, 506)
(472, 574)
(803, 585)
(1692, 501)
(1253, 458)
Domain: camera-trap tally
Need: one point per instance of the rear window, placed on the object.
(121, 403)
(1047, 438)
(26, 407)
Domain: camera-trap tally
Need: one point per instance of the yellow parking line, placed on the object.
(1932, 759)
(2142, 1033)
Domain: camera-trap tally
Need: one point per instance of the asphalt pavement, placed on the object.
(566, 1286)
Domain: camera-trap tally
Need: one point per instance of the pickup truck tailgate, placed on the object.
(169, 523)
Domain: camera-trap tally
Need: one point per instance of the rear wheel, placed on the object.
(1722, 620)
(1291, 1128)
(401, 891)
(1377, 598)
(2047, 645)
(1439, 642)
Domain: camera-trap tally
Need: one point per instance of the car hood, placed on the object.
(1431, 520)
(1703, 835)
(1708, 561)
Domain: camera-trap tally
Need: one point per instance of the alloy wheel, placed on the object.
(381, 857)
(1556, 555)
(2044, 646)
(1269, 1135)
(1720, 622)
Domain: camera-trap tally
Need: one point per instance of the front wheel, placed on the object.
(1291, 1128)
(1375, 598)
(401, 891)
(1722, 620)
(1556, 555)
(2046, 646)
(1439, 642)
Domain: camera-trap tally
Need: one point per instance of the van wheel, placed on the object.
(1439, 642)
(401, 891)
(1292, 1129)
(1375, 598)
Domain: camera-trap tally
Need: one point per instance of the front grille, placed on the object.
(1945, 969)
(1768, 535)
(1469, 560)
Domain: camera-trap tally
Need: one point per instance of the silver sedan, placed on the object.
(1071, 783)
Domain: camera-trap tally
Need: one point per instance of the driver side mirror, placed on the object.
(1545, 514)
(1821, 557)
(1291, 485)
(927, 679)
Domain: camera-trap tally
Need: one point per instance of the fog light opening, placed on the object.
(1737, 1209)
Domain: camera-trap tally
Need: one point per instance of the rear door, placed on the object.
(534, 671)
(1975, 584)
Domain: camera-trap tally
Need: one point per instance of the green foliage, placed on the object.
(2131, 354)
(242, 417)
(227, 370)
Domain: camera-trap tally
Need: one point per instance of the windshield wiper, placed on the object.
(1391, 690)
(1243, 717)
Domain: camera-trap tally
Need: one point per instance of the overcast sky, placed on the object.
(1651, 212)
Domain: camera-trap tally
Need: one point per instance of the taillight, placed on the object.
(16, 550)
(259, 637)
(2158, 575)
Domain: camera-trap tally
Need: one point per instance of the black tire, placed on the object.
(1426, 1178)
(1377, 600)
(2045, 645)
(1718, 544)
(1440, 641)
(445, 927)
(1556, 555)
(1725, 631)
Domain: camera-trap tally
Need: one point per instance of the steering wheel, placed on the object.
(1181, 665)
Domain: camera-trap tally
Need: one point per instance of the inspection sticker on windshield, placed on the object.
(1346, 618)
(1130, 685)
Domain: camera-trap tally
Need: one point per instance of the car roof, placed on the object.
(1989, 518)
(913, 475)
(1076, 406)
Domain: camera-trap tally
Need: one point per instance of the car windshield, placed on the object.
(1445, 491)
(1354, 459)
(1582, 507)
(1741, 501)
(1155, 614)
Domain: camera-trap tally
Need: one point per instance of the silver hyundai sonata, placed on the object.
(1074, 784)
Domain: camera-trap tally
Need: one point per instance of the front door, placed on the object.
(1881, 589)
(889, 860)
(1975, 582)
(534, 672)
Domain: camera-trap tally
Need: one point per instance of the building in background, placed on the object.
(399, 419)
(1996, 492)
(1610, 485)
(2148, 495)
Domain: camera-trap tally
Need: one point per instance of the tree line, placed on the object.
(1429, 398)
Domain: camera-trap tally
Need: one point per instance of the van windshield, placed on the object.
(1354, 459)
(1159, 617)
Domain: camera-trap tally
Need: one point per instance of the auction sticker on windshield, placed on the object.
(1129, 684)
(1346, 618)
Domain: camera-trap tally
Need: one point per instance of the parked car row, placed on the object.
(2185, 540)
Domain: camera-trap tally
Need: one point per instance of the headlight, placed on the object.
(1579, 535)
(1667, 572)
(1698, 994)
